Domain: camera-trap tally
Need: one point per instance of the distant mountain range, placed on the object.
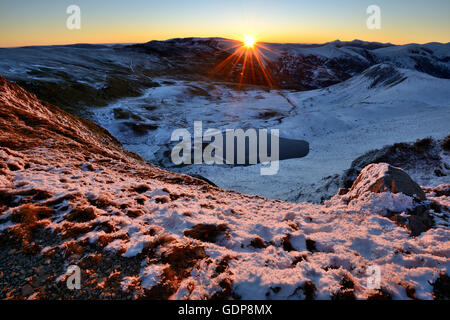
(301, 66)
(96, 74)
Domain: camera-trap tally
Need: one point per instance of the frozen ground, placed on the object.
(382, 106)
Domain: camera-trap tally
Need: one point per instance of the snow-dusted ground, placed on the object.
(384, 105)
(70, 195)
(348, 239)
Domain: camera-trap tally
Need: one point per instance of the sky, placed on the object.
(43, 22)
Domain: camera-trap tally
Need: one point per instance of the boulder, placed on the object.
(382, 177)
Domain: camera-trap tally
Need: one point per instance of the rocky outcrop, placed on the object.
(423, 154)
(425, 161)
(383, 177)
(384, 75)
(417, 217)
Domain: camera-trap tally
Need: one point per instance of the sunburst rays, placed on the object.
(248, 61)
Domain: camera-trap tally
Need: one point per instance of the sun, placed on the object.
(249, 41)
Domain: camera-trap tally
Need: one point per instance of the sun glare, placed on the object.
(249, 41)
(248, 60)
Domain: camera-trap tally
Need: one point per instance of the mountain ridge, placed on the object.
(126, 70)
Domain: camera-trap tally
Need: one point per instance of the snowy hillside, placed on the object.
(93, 75)
(70, 195)
(431, 58)
(384, 105)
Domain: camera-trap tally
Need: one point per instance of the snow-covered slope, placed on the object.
(70, 195)
(382, 106)
(431, 58)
